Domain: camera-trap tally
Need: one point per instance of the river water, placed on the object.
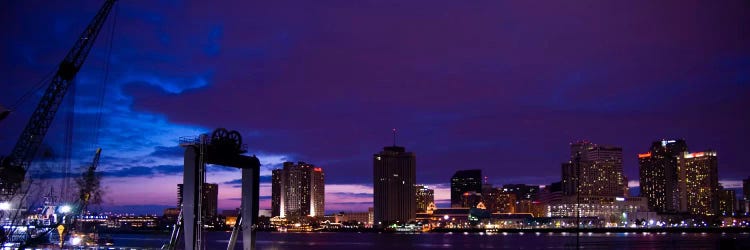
(361, 241)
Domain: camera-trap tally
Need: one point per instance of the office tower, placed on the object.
(424, 197)
(522, 191)
(300, 189)
(276, 201)
(394, 176)
(698, 182)
(746, 194)
(658, 175)
(600, 169)
(727, 199)
(210, 206)
(569, 178)
(465, 181)
(498, 201)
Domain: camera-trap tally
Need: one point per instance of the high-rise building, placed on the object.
(569, 178)
(465, 181)
(276, 202)
(210, 206)
(300, 190)
(424, 197)
(498, 201)
(658, 175)
(698, 183)
(394, 176)
(727, 199)
(600, 169)
(746, 194)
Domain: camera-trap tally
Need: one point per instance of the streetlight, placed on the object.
(65, 209)
(5, 205)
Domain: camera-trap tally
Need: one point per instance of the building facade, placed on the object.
(498, 201)
(522, 191)
(465, 181)
(746, 194)
(727, 200)
(658, 175)
(698, 183)
(600, 169)
(298, 190)
(424, 196)
(394, 177)
(611, 210)
(276, 202)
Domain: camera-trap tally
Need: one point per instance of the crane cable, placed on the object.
(34, 89)
(102, 90)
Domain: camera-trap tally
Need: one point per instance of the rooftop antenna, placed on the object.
(394, 137)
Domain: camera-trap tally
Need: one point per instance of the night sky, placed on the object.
(499, 86)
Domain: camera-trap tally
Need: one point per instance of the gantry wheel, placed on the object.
(219, 135)
(235, 138)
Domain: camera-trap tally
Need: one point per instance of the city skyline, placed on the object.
(501, 87)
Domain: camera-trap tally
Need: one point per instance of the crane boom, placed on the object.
(15, 165)
(89, 184)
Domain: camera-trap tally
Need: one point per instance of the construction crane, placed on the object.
(13, 167)
(88, 185)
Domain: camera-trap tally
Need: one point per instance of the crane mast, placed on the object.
(88, 184)
(13, 167)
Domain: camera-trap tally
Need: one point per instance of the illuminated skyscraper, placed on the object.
(727, 200)
(658, 175)
(394, 176)
(698, 183)
(276, 202)
(465, 181)
(424, 197)
(600, 169)
(498, 201)
(300, 189)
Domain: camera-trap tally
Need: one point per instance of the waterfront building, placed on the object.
(698, 183)
(276, 202)
(298, 190)
(498, 201)
(424, 196)
(394, 176)
(360, 218)
(614, 211)
(659, 176)
(530, 207)
(600, 170)
(746, 194)
(464, 181)
(727, 199)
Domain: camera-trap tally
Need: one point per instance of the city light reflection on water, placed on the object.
(537, 240)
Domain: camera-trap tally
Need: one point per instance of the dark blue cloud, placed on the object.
(144, 171)
(263, 179)
(168, 152)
